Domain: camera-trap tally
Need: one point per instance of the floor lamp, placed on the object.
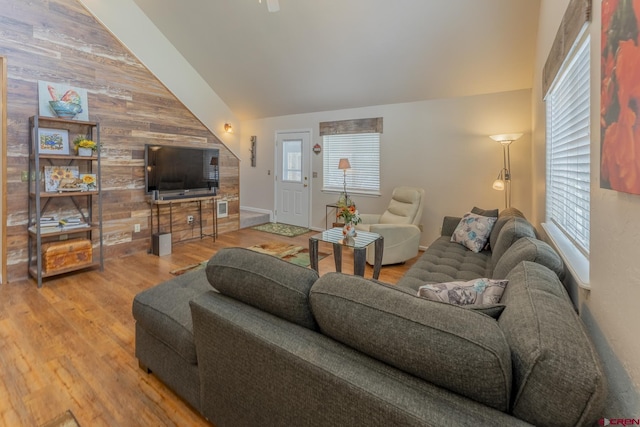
(344, 165)
(503, 181)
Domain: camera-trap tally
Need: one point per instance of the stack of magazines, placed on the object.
(72, 223)
(50, 224)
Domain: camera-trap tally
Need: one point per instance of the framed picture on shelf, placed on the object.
(89, 181)
(61, 178)
(53, 141)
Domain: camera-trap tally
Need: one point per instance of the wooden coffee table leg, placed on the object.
(337, 256)
(377, 263)
(313, 253)
(359, 258)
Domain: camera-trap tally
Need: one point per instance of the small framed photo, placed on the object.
(61, 178)
(53, 141)
(89, 181)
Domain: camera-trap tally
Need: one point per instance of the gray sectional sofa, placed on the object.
(253, 340)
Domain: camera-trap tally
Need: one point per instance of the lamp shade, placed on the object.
(498, 184)
(506, 138)
(344, 164)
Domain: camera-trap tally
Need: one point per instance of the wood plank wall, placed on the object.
(59, 41)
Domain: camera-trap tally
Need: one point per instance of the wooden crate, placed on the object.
(63, 255)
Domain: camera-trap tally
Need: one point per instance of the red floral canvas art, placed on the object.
(620, 96)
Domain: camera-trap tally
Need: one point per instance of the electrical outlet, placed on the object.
(136, 228)
(189, 219)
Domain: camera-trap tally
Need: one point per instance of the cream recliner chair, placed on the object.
(399, 225)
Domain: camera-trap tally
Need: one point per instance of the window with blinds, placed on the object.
(363, 152)
(568, 148)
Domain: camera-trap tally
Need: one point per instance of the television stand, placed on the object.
(181, 197)
(179, 200)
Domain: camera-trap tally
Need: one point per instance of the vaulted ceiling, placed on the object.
(319, 55)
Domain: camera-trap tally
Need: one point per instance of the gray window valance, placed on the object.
(578, 13)
(341, 127)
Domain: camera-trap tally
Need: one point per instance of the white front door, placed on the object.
(293, 186)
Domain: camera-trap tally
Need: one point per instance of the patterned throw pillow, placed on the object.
(473, 231)
(474, 292)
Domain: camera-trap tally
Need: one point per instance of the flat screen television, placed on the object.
(175, 171)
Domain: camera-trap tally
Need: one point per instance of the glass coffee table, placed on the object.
(359, 245)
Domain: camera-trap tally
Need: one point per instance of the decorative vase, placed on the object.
(349, 230)
(85, 152)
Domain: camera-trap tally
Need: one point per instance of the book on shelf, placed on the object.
(71, 220)
(71, 226)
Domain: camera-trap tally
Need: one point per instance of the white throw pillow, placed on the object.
(473, 231)
(474, 292)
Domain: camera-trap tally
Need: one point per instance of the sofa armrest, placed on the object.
(449, 224)
(395, 233)
(370, 218)
(251, 364)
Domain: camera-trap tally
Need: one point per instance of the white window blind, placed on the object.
(568, 149)
(363, 152)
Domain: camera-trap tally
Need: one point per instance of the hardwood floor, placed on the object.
(70, 344)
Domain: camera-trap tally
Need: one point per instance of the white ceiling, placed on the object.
(320, 55)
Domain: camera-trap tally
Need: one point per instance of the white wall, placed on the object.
(439, 145)
(137, 33)
(610, 308)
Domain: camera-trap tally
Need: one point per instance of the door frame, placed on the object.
(277, 177)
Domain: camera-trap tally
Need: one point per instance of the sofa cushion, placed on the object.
(444, 261)
(504, 216)
(513, 229)
(458, 349)
(485, 212)
(473, 292)
(493, 310)
(473, 231)
(163, 312)
(558, 378)
(529, 249)
(265, 282)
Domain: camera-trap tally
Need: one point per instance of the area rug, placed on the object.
(282, 229)
(190, 267)
(294, 254)
(64, 420)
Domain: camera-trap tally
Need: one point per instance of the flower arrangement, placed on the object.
(347, 211)
(81, 141)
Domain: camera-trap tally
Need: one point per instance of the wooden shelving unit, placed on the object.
(87, 205)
